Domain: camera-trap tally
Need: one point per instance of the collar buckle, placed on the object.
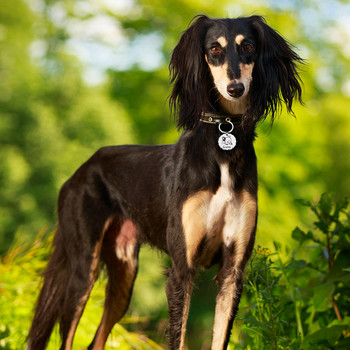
(211, 118)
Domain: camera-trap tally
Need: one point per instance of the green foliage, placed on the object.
(50, 121)
(264, 323)
(19, 288)
(302, 303)
(151, 113)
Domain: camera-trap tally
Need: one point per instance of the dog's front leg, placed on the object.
(234, 259)
(238, 236)
(227, 300)
(179, 288)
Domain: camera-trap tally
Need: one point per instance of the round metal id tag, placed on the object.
(227, 141)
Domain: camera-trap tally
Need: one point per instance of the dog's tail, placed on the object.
(51, 297)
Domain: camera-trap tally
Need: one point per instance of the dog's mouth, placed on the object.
(233, 97)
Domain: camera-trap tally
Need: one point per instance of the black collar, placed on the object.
(212, 118)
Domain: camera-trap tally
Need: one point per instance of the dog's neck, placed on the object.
(238, 106)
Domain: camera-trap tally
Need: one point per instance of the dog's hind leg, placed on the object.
(69, 278)
(83, 213)
(120, 254)
(78, 291)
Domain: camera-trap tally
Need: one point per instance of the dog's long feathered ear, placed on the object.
(275, 75)
(189, 74)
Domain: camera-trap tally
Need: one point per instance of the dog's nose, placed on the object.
(235, 89)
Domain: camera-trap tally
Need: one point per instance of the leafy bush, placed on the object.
(302, 303)
(19, 288)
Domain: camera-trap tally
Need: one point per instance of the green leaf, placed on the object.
(322, 297)
(300, 236)
(343, 344)
(277, 245)
(4, 333)
(323, 226)
(303, 202)
(340, 205)
(345, 321)
(325, 336)
(326, 203)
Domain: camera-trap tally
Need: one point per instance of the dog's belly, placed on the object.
(211, 221)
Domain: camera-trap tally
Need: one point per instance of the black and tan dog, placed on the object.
(196, 200)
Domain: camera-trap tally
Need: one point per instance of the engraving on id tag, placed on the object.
(227, 142)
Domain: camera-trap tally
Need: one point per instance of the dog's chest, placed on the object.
(219, 204)
(213, 219)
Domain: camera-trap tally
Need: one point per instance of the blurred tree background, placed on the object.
(78, 75)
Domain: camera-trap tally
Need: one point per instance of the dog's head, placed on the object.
(233, 66)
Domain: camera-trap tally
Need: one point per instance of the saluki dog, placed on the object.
(195, 200)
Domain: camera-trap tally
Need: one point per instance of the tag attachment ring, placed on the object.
(226, 132)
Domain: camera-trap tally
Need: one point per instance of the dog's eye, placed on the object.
(215, 50)
(248, 47)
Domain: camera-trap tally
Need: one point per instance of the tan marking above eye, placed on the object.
(222, 41)
(239, 38)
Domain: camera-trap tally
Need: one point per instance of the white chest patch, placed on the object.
(220, 200)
